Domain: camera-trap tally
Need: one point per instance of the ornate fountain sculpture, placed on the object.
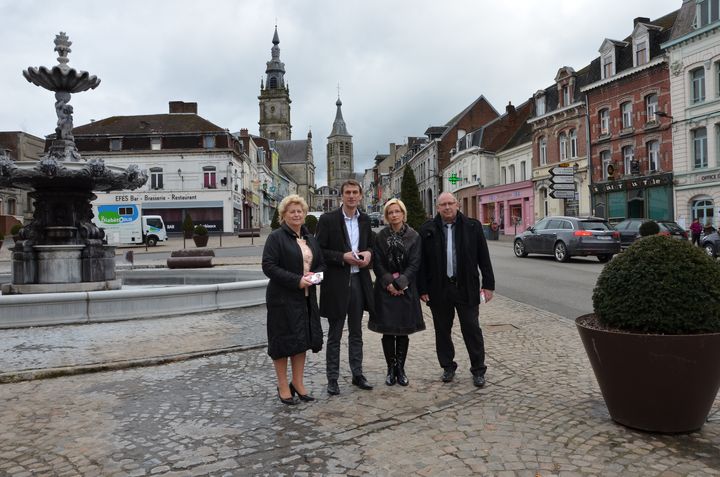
(61, 249)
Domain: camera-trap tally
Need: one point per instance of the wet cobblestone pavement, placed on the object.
(540, 414)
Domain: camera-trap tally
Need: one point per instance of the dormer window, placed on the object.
(566, 95)
(116, 144)
(641, 53)
(608, 67)
(155, 144)
(540, 105)
(707, 11)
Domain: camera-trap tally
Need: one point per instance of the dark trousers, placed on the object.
(355, 343)
(696, 239)
(443, 313)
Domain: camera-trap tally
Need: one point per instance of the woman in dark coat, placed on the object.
(291, 258)
(396, 261)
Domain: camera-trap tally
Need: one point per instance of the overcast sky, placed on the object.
(402, 65)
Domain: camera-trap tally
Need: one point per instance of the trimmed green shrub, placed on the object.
(15, 229)
(649, 227)
(188, 226)
(311, 223)
(659, 285)
(410, 196)
(200, 230)
(275, 222)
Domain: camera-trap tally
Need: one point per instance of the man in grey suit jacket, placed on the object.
(345, 237)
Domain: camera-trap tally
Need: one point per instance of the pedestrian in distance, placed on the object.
(345, 237)
(396, 263)
(454, 255)
(293, 262)
(696, 230)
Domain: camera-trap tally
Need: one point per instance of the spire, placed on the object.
(339, 128)
(275, 69)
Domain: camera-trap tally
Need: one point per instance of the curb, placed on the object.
(48, 373)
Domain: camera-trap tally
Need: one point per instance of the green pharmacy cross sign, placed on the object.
(454, 179)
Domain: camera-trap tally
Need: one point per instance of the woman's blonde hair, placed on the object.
(397, 202)
(287, 202)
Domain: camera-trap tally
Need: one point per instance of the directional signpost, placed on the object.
(562, 182)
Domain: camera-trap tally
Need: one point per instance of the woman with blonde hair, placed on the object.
(396, 261)
(291, 260)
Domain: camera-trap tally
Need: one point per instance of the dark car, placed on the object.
(375, 219)
(564, 237)
(630, 230)
(711, 243)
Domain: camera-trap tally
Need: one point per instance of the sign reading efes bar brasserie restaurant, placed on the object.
(628, 184)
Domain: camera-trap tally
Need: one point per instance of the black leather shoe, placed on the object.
(390, 379)
(449, 374)
(332, 388)
(290, 402)
(402, 378)
(303, 397)
(361, 382)
(478, 380)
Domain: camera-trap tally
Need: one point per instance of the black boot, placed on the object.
(388, 344)
(401, 349)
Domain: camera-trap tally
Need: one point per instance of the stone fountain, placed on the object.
(60, 249)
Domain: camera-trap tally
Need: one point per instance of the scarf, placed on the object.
(396, 248)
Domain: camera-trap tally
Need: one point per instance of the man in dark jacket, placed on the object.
(454, 253)
(344, 236)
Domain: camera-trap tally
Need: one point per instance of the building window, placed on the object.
(512, 173)
(523, 172)
(273, 83)
(653, 152)
(566, 95)
(209, 177)
(562, 143)
(155, 143)
(156, 178)
(626, 109)
(116, 144)
(573, 143)
(699, 137)
(605, 161)
(651, 105)
(543, 151)
(704, 210)
(641, 53)
(503, 175)
(607, 68)
(540, 105)
(706, 12)
(628, 153)
(697, 85)
(208, 142)
(717, 79)
(604, 121)
(11, 206)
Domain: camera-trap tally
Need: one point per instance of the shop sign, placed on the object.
(638, 183)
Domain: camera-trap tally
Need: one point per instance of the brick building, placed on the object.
(630, 133)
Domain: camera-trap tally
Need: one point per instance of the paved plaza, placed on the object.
(195, 396)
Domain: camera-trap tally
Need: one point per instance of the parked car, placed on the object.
(711, 243)
(564, 237)
(630, 230)
(375, 219)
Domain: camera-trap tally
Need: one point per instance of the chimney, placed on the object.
(510, 109)
(179, 107)
(244, 133)
(640, 20)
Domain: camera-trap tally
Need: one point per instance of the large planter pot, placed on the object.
(201, 240)
(656, 383)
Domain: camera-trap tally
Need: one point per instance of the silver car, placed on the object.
(564, 237)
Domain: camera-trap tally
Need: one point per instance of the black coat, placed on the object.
(334, 241)
(293, 320)
(472, 257)
(397, 315)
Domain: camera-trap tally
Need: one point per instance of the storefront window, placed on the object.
(617, 204)
(704, 210)
(659, 204)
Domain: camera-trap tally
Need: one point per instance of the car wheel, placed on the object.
(519, 249)
(151, 241)
(710, 250)
(605, 257)
(561, 253)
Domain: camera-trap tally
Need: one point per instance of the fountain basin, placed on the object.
(185, 291)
